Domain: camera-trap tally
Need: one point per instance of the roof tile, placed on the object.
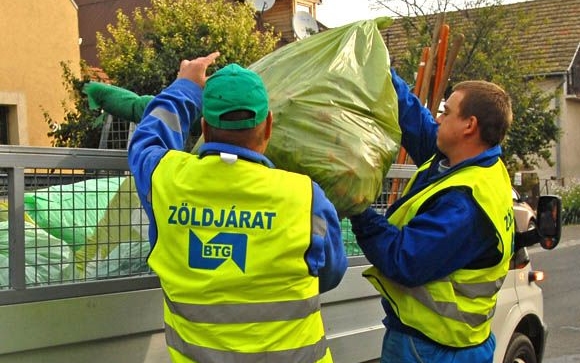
(552, 38)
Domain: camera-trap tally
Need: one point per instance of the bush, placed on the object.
(570, 202)
(142, 52)
(80, 127)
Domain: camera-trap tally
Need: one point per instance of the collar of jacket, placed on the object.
(215, 148)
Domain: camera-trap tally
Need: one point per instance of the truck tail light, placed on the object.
(536, 276)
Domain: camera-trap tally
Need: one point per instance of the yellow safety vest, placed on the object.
(456, 310)
(232, 237)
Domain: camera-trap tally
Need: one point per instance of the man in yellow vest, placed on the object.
(441, 252)
(242, 249)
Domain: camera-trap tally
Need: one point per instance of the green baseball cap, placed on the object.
(234, 88)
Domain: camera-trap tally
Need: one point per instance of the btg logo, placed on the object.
(222, 247)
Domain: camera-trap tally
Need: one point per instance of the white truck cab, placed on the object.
(518, 323)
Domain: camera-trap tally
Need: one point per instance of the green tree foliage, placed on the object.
(489, 52)
(81, 126)
(143, 54)
(570, 195)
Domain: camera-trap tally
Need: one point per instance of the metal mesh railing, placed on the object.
(116, 133)
(72, 216)
(77, 227)
(380, 205)
(69, 217)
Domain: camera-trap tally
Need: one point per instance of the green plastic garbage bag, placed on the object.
(47, 259)
(335, 111)
(116, 101)
(121, 103)
(119, 245)
(71, 211)
(126, 259)
(348, 238)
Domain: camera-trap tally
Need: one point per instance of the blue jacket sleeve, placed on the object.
(164, 126)
(419, 129)
(326, 257)
(445, 237)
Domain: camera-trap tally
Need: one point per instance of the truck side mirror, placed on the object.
(549, 213)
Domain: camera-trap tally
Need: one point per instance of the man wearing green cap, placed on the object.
(242, 249)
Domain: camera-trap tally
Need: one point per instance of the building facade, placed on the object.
(37, 37)
(552, 41)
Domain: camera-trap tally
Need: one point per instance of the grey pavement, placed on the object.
(568, 359)
(571, 232)
(570, 235)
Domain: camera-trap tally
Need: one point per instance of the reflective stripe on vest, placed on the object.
(455, 311)
(450, 309)
(230, 255)
(311, 353)
(245, 313)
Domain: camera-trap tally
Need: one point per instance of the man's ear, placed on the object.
(472, 125)
(204, 129)
(269, 122)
